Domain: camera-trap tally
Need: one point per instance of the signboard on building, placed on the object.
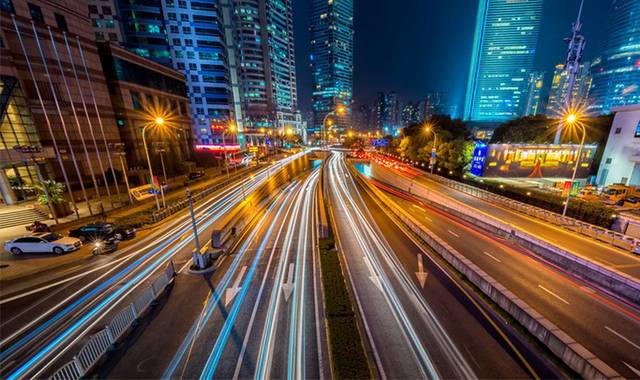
(379, 142)
(531, 160)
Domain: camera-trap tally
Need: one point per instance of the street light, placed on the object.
(430, 129)
(339, 111)
(159, 121)
(160, 148)
(572, 121)
(119, 151)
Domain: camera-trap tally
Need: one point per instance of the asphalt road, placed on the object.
(584, 246)
(418, 321)
(262, 319)
(42, 323)
(606, 327)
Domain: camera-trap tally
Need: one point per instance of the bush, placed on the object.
(588, 211)
(136, 220)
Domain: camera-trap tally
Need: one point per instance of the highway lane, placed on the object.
(588, 248)
(609, 329)
(29, 346)
(418, 322)
(271, 326)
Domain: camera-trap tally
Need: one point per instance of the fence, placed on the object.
(99, 343)
(601, 234)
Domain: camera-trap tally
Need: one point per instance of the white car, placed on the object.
(42, 243)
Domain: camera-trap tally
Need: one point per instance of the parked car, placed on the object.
(42, 243)
(101, 231)
(196, 175)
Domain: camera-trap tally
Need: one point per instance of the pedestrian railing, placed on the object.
(601, 234)
(101, 342)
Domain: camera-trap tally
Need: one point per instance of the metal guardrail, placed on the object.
(598, 233)
(101, 342)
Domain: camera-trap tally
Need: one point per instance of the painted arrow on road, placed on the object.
(287, 287)
(372, 277)
(231, 292)
(421, 274)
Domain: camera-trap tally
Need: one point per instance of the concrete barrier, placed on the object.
(610, 279)
(560, 343)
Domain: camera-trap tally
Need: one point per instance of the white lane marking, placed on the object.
(635, 370)
(553, 294)
(622, 337)
(416, 206)
(235, 289)
(184, 266)
(287, 287)
(492, 256)
(421, 274)
(429, 219)
(373, 277)
(453, 233)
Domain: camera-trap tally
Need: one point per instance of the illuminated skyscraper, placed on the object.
(616, 75)
(560, 87)
(503, 54)
(331, 59)
(266, 55)
(534, 94)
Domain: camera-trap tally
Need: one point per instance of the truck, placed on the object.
(619, 193)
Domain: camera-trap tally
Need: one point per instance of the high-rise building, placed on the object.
(616, 75)
(387, 112)
(143, 28)
(331, 58)
(534, 94)
(54, 96)
(502, 57)
(410, 114)
(433, 104)
(196, 40)
(556, 105)
(266, 55)
(363, 118)
(105, 20)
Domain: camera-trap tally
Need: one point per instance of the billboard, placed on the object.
(531, 160)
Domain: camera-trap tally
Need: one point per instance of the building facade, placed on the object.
(621, 158)
(387, 111)
(533, 106)
(263, 31)
(331, 59)
(54, 97)
(142, 90)
(503, 53)
(616, 75)
(556, 105)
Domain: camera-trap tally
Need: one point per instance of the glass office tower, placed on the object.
(616, 75)
(502, 59)
(331, 58)
(142, 28)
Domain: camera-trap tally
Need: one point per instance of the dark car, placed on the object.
(196, 175)
(101, 231)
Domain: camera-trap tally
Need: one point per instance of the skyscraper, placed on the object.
(331, 58)
(560, 87)
(387, 112)
(534, 94)
(266, 55)
(616, 75)
(503, 54)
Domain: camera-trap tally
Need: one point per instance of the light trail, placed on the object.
(109, 302)
(368, 240)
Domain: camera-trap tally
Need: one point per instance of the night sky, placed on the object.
(416, 46)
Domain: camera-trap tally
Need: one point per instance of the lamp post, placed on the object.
(198, 259)
(161, 149)
(337, 112)
(158, 122)
(572, 120)
(433, 150)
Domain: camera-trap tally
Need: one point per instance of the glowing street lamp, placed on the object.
(429, 129)
(572, 120)
(158, 122)
(339, 111)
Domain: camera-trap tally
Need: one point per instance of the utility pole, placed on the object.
(572, 64)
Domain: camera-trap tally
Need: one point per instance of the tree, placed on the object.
(55, 190)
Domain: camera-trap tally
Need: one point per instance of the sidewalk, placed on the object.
(13, 268)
